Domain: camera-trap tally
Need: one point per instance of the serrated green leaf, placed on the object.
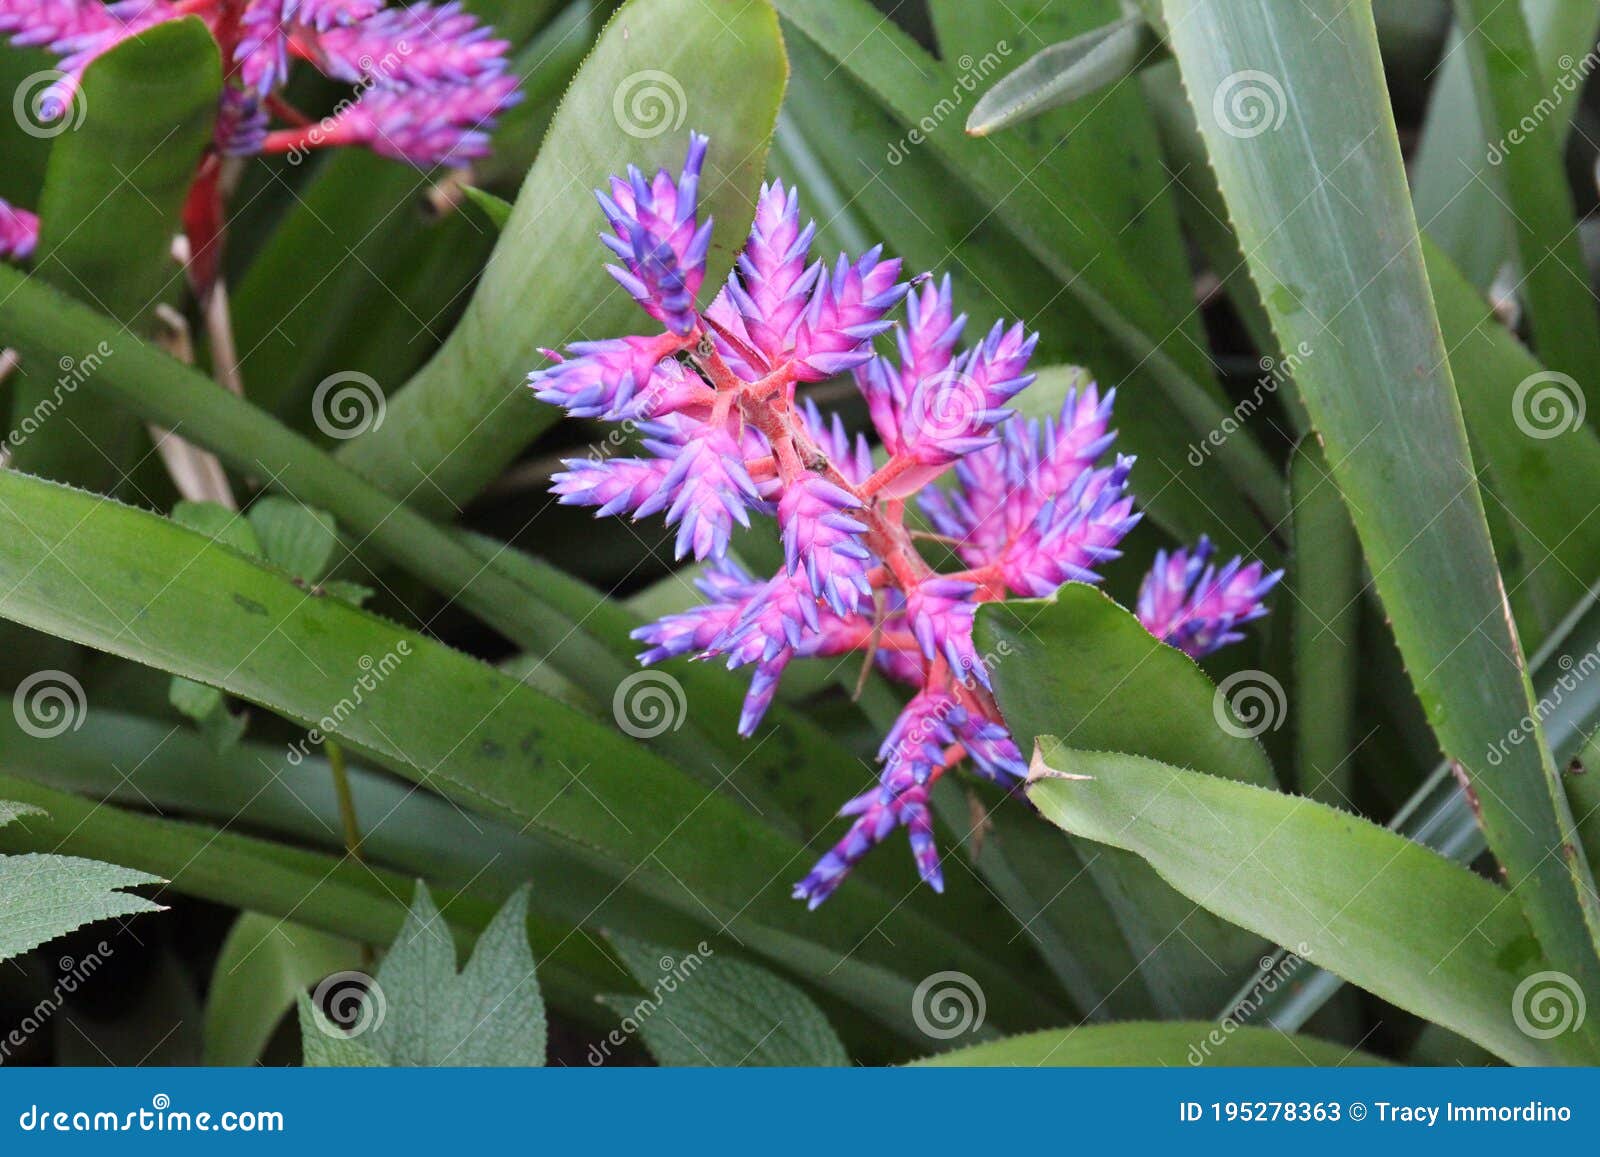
(43, 896)
(1303, 197)
(421, 1012)
(264, 966)
(705, 1009)
(1384, 913)
(325, 1046)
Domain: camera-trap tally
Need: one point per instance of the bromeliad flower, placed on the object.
(1029, 507)
(429, 80)
(19, 232)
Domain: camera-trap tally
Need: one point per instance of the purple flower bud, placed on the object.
(19, 232)
(708, 488)
(993, 751)
(693, 632)
(845, 313)
(325, 14)
(426, 127)
(916, 742)
(853, 460)
(420, 46)
(876, 816)
(615, 485)
(657, 236)
(771, 283)
(1072, 534)
(1189, 603)
(818, 533)
(617, 378)
(941, 611)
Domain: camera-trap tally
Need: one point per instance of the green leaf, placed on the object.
(325, 1046)
(1079, 663)
(421, 1012)
(1148, 1044)
(1065, 72)
(495, 210)
(1396, 919)
(119, 171)
(466, 414)
(218, 522)
(294, 537)
(1531, 179)
(265, 965)
(45, 896)
(209, 708)
(439, 718)
(704, 1009)
(1303, 194)
(1325, 579)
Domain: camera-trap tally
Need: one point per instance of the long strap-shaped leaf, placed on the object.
(1319, 199)
(1395, 918)
(186, 604)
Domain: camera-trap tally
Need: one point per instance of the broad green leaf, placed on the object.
(1304, 194)
(1451, 174)
(1065, 72)
(45, 896)
(208, 707)
(1540, 461)
(701, 1008)
(1390, 916)
(220, 523)
(420, 1012)
(325, 1046)
(1151, 320)
(120, 168)
(1148, 1044)
(643, 88)
(264, 966)
(1080, 664)
(1531, 181)
(496, 211)
(1325, 582)
(438, 718)
(294, 537)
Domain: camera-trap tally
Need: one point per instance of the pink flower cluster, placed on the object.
(1029, 508)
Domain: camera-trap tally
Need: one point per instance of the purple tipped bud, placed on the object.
(19, 233)
(821, 536)
(1192, 605)
(659, 239)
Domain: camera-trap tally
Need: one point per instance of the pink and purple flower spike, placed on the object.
(430, 79)
(1031, 505)
(19, 233)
